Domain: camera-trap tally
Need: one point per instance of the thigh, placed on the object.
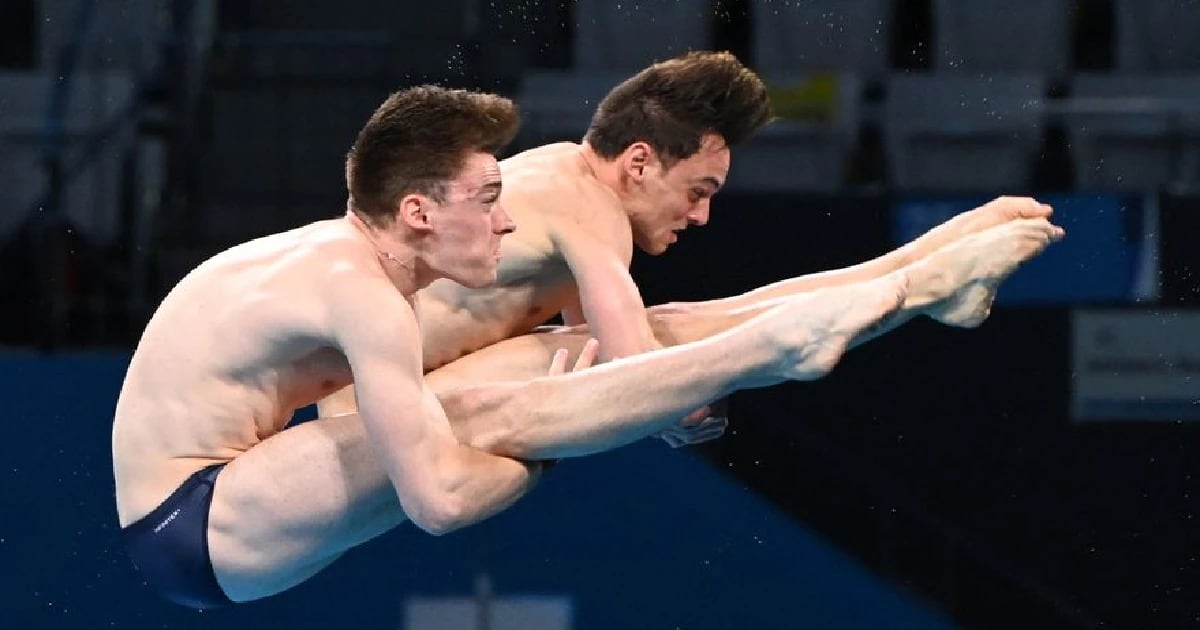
(290, 505)
(517, 359)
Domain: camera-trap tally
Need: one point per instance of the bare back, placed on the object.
(551, 196)
(235, 348)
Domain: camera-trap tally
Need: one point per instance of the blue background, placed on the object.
(644, 537)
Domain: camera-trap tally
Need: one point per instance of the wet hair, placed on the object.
(672, 104)
(418, 140)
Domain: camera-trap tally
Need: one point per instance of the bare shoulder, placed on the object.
(290, 283)
(350, 286)
(550, 193)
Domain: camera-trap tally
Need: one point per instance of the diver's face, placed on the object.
(468, 225)
(668, 200)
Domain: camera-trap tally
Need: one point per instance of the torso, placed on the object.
(242, 342)
(235, 348)
(550, 195)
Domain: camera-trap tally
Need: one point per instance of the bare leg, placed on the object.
(293, 503)
(955, 285)
(526, 357)
(994, 213)
(517, 359)
(801, 339)
(926, 261)
(679, 323)
(978, 264)
(289, 506)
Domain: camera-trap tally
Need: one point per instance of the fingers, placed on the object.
(716, 424)
(558, 365)
(696, 417)
(587, 356)
(712, 429)
(709, 429)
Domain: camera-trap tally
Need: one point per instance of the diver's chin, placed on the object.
(480, 280)
(653, 248)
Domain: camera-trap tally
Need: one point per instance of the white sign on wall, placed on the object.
(1135, 365)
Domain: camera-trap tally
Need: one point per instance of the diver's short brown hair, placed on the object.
(671, 104)
(418, 140)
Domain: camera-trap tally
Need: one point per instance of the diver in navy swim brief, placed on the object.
(169, 545)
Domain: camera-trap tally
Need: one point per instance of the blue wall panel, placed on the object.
(641, 537)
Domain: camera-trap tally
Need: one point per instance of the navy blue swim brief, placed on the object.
(169, 546)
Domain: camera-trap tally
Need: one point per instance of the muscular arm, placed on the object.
(442, 484)
(608, 300)
(610, 304)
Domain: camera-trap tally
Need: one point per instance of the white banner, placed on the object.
(1135, 365)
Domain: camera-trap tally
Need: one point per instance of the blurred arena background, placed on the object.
(1037, 472)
